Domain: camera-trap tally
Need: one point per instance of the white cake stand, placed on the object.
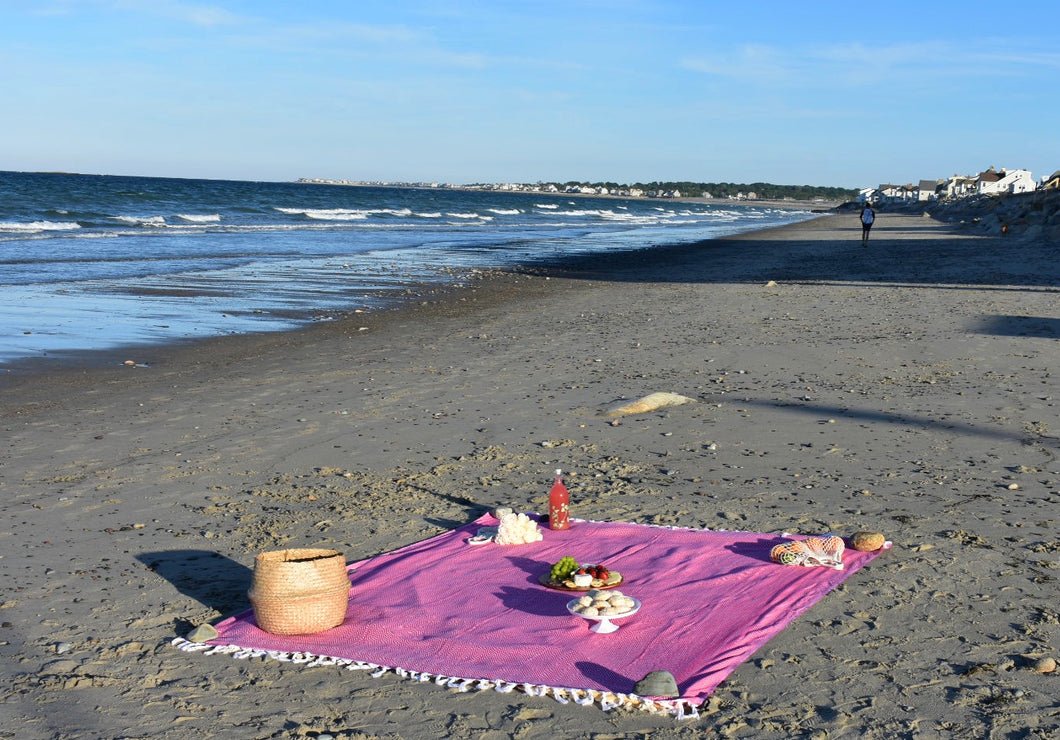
(603, 624)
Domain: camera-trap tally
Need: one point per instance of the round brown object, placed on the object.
(867, 541)
(1045, 665)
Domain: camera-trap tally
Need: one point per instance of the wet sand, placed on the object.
(905, 387)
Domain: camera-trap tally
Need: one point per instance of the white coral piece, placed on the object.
(517, 529)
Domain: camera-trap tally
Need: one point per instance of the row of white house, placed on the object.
(579, 190)
(521, 188)
(988, 182)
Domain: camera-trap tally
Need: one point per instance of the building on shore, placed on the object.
(990, 181)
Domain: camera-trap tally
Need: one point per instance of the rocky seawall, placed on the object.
(1026, 215)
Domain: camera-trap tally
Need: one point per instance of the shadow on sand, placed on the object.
(909, 421)
(215, 581)
(1019, 326)
(930, 254)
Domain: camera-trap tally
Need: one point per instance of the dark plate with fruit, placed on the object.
(602, 579)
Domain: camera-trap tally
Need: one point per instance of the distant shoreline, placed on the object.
(816, 205)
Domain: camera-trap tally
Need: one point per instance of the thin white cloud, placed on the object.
(748, 62)
(845, 62)
(904, 54)
(351, 32)
(396, 44)
(996, 53)
(194, 13)
(1047, 60)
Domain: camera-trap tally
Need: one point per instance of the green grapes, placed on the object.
(563, 568)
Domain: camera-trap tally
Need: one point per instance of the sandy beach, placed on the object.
(905, 387)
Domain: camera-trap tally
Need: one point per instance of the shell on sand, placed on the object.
(649, 403)
(202, 633)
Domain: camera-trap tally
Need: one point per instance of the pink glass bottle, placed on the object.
(558, 505)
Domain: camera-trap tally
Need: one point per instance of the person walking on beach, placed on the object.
(868, 217)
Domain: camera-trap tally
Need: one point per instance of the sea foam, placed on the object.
(31, 227)
(154, 221)
(258, 248)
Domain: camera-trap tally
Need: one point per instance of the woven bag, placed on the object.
(298, 592)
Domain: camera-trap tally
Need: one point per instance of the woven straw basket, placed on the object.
(297, 592)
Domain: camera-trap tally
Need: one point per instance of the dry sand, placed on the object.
(906, 387)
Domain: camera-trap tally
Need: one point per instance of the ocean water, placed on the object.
(90, 262)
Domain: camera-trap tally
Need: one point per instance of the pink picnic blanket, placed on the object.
(445, 608)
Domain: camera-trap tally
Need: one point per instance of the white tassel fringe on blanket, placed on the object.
(607, 700)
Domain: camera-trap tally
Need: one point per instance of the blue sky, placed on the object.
(821, 93)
